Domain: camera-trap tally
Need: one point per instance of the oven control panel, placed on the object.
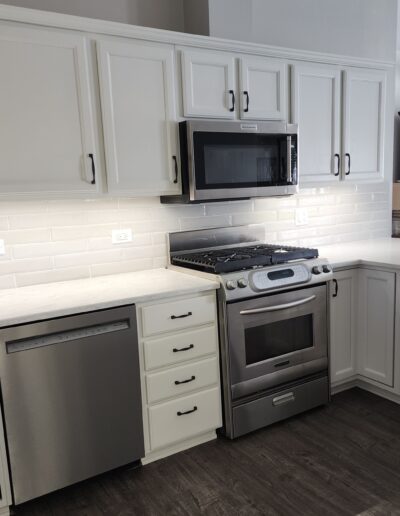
(253, 282)
(281, 277)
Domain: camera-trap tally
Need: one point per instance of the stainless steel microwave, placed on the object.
(236, 160)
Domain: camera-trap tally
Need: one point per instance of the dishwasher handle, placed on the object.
(279, 307)
(61, 337)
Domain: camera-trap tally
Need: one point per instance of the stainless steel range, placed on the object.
(273, 322)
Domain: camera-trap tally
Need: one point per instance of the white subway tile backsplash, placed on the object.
(49, 276)
(69, 239)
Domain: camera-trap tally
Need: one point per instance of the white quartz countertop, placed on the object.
(384, 252)
(26, 304)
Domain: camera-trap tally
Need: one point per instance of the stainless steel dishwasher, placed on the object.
(71, 399)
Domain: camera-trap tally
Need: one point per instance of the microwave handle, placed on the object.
(279, 307)
(289, 158)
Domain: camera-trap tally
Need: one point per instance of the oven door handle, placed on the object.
(278, 307)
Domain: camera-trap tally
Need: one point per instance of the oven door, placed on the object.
(230, 160)
(276, 339)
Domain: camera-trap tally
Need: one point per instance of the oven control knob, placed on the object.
(326, 268)
(242, 283)
(230, 285)
(316, 270)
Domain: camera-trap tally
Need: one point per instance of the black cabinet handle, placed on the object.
(93, 181)
(337, 156)
(179, 382)
(348, 163)
(176, 350)
(336, 288)
(187, 412)
(232, 93)
(176, 169)
(246, 94)
(181, 316)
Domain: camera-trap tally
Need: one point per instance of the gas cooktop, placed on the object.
(238, 258)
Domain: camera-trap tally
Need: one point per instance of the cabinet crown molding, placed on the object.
(89, 25)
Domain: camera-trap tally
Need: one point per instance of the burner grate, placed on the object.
(238, 258)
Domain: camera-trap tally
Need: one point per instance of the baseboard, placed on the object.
(165, 452)
(366, 386)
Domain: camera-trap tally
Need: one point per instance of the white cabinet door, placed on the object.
(376, 325)
(316, 108)
(139, 120)
(363, 124)
(343, 325)
(46, 128)
(208, 80)
(263, 88)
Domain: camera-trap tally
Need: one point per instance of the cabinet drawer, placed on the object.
(178, 314)
(181, 380)
(199, 413)
(180, 347)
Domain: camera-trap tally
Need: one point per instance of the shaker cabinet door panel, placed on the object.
(376, 325)
(138, 106)
(363, 124)
(208, 80)
(46, 112)
(316, 109)
(343, 325)
(263, 88)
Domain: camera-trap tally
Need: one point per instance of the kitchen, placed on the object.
(124, 149)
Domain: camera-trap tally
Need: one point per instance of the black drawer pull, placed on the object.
(181, 316)
(179, 382)
(191, 346)
(187, 412)
(93, 181)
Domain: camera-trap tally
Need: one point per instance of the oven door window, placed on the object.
(230, 160)
(278, 338)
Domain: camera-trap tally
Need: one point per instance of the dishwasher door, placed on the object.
(71, 399)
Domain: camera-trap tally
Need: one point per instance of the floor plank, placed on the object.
(341, 459)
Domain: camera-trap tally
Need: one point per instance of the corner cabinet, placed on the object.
(179, 359)
(343, 322)
(364, 101)
(376, 301)
(137, 86)
(341, 117)
(210, 89)
(47, 143)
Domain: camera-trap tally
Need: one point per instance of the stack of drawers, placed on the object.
(180, 373)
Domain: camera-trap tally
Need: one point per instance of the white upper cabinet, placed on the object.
(343, 326)
(316, 109)
(263, 90)
(209, 85)
(341, 130)
(376, 303)
(139, 118)
(363, 123)
(47, 141)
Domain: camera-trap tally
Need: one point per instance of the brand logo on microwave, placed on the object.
(249, 127)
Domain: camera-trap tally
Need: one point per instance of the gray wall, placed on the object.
(361, 28)
(162, 14)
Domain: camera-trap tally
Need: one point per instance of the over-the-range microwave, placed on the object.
(236, 160)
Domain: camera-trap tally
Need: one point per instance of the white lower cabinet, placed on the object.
(343, 325)
(362, 344)
(179, 359)
(376, 300)
(185, 417)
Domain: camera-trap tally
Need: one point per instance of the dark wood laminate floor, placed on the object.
(343, 459)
